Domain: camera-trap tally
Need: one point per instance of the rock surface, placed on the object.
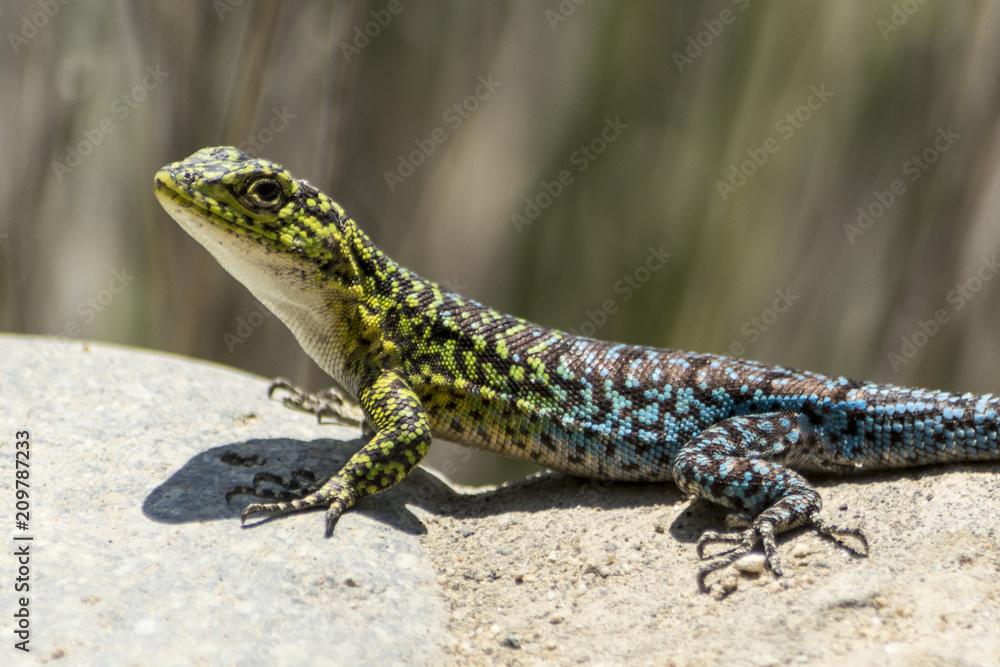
(137, 559)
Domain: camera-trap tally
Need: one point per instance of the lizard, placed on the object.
(423, 362)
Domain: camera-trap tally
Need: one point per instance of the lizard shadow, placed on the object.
(196, 491)
(552, 490)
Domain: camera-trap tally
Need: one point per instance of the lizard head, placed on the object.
(288, 243)
(235, 205)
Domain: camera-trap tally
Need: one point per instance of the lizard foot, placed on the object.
(763, 530)
(294, 496)
(327, 403)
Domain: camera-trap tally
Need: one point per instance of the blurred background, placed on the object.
(811, 184)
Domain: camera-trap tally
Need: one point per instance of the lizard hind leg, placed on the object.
(736, 463)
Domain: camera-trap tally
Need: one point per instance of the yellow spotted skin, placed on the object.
(424, 362)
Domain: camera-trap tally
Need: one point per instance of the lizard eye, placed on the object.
(263, 193)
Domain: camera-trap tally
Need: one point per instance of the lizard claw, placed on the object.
(745, 541)
(327, 403)
(763, 530)
(332, 494)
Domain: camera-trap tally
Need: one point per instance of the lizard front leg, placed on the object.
(331, 402)
(737, 464)
(402, 438)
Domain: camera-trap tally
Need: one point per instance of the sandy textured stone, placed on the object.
(136, 555)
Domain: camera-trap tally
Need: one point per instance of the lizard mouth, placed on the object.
(174, 198)
(194, 211)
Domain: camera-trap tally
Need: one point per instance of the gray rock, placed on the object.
(136, 557)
